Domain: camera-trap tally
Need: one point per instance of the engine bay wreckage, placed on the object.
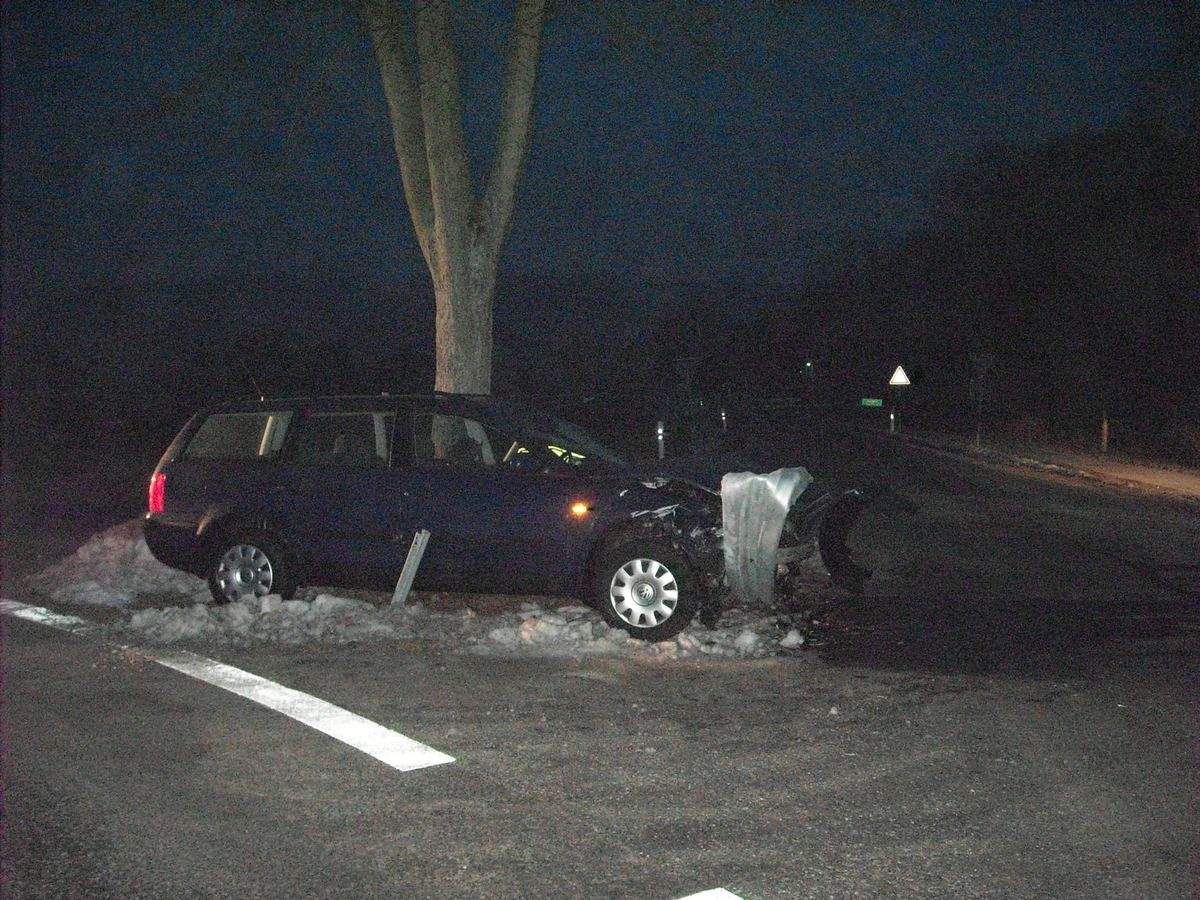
(759, 540)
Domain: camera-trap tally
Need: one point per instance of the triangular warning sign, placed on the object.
(899, 379)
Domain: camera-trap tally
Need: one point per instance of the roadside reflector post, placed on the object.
(660, 433)
(981, 365)
(411, 562)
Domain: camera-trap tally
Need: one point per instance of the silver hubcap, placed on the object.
(244, 569)
(644, 593)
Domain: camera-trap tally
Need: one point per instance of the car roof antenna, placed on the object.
(254, 381)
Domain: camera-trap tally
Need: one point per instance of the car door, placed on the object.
(495, 524)
(338, 501)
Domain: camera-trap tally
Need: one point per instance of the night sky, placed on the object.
(185, 147)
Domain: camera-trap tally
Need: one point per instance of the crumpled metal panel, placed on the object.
(754, 509)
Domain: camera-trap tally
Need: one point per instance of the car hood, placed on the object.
(706, 471)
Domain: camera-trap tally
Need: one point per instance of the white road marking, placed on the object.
(387, 746)
(44, 616)
(714, 894)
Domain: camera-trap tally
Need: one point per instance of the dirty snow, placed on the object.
(159, 605)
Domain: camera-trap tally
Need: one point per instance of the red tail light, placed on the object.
(158, 491)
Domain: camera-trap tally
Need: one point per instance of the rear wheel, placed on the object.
(250, 564)
(647, 588)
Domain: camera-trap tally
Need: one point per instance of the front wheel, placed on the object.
(648, 589)
(250, 564)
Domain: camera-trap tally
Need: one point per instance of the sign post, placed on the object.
(899, 379)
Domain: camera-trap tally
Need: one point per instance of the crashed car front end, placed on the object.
(687, 537)
(754, 540)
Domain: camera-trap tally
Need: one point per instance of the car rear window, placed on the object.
(232, 436)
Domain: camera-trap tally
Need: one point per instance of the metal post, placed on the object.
(411, 562)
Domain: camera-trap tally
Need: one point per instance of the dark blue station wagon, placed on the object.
(261, 496)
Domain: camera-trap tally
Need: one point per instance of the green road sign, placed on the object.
(872, 401)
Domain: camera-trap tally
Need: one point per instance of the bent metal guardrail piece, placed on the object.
(754, 508)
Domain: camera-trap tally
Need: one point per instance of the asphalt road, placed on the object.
(1009, 712)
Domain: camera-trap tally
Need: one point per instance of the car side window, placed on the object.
(541, 453)
(456, 442)
(240, 436)
(358, 439)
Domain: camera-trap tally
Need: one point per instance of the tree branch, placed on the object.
(388, 33)
(516, 123)
(445, 140)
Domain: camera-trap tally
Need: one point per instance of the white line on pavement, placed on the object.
(387, 746)
(44, 616)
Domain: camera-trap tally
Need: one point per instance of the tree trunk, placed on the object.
(460, 235)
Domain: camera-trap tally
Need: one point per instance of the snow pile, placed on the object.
(533, 630)
(328, 618)
(115, 569)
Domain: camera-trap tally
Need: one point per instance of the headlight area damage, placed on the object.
(759, 542)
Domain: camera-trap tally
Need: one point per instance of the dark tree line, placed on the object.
(1075, 266)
